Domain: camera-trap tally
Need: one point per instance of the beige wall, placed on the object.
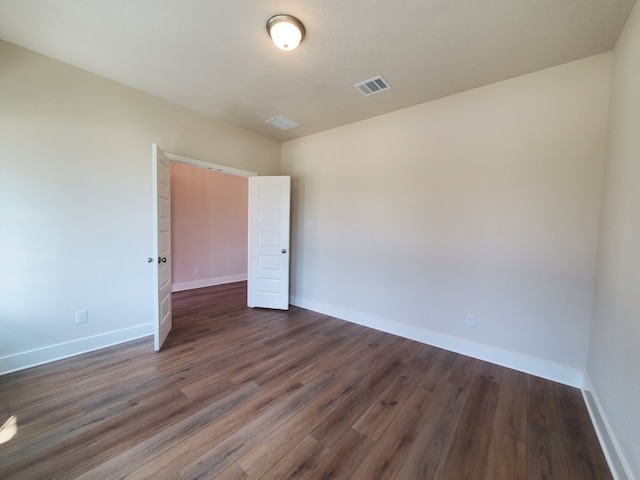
(208, 227)
(614, 355)
(485, 202)
(75, 197)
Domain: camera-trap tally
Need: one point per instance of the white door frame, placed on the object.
(209, 166)
(205, 165)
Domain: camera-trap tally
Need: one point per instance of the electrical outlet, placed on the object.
(469, 320)
(81, 316)
(197, 269)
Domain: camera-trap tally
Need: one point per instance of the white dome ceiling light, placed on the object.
(286, 31)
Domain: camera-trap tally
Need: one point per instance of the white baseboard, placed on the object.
(534, 366)
(618, 464)
(208, 282)
(51, 353)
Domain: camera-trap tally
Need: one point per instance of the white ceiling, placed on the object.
(215, 56)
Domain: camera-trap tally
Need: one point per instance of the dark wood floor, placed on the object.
(257, 394)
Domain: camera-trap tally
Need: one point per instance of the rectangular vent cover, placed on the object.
(373, 85)
(283, 123)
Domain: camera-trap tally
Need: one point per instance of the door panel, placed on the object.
(162, 245)
(268, 265)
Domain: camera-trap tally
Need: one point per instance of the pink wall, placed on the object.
(208, 227)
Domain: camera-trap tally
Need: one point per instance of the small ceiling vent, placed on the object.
(373, 85)
(283, 123)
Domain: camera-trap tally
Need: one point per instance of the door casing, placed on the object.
(160, 289)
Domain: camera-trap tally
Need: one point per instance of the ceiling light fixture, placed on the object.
(286, 31)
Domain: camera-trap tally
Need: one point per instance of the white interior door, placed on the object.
(162, 245)
(268, 265)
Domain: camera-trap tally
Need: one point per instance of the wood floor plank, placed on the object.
(38, 422)
(143, 457)
(469, 450)
(545, 454)
(427, 455)
(342, 460)
(17, 454)
(507, 458)
(375, 421)
(342, 358)
(213, 435)
(209, 464)
(232, 472)
(262, 457)
(240, 393)
(302, 459)
(511, 411)
(439, 370)
(388, 453)
(584, 460)
(288, 363)
(354, 404)
(464, 370)
(542, 406)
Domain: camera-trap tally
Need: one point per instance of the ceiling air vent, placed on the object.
(283, 123)
(373, 85)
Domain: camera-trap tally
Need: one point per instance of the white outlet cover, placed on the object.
(469, 320)
(81, 316)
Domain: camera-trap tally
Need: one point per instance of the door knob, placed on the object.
(162, 259)
(149, 260)
(284, 250)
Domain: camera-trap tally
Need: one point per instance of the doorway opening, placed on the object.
(209, 222)
(161, 205)
(267, 240)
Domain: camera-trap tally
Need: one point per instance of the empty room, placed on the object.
(319, 239)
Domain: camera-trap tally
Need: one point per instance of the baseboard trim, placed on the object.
(618, 464)
(534, 366)
(208, 282)
(52, 353)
